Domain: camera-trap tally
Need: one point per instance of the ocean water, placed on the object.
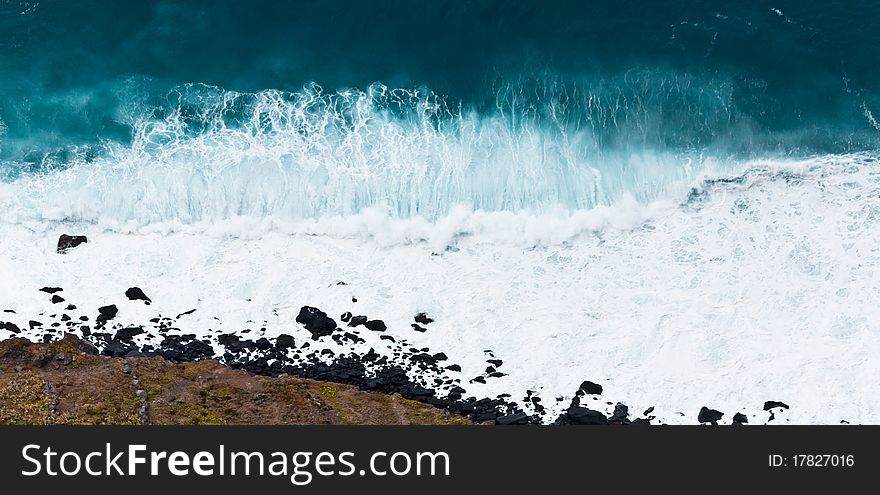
(680, 198)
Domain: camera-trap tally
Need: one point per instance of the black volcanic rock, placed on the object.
(345, 316)
(316, 322)
(590, 388)
(284, 341)
(51, 290)
(519, 418)
(357, 320)
(707, 415)
(125, 334)
(12, 327)
(185, 313)
(418, 328)
(307, 314)
(739, 419)
(770, 404)
(184, 348)
(620, 415)
(136, 294)
(577, 415)
(33, 324)
(376, 325)
(423, 357)
(454, 367)
(107, 313)
(116, 348)
(57, 299)
(67, 242)
(423, 319)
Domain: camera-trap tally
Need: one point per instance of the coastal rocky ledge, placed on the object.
(67, 382)
(282, 357)
(333, 350)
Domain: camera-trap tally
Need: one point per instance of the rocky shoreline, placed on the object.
(420, 374)
(67, 382)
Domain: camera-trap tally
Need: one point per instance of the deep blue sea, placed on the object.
(307, 108)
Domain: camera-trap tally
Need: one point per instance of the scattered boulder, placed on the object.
(357, 320)
(740, 419)
(590, 388)
(418, 328)
(423, 319)
(345, 316)
(9, 326)
(376, 325)
(620, 415)
(57, 299)
(316, 322)
(707, 415)
(126, 334)
(116, 348)
(184, 348)
(51, 290)
(519, 418)
(136, 294)
(771, 404)
(284, 341)
(107, 313)
(67, 242)
(576, 415)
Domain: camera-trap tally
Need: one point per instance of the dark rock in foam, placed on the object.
(590, 388)
(107, 313)
(576, 415)
(136, 294)
(8, 326)
(316, 322)
(357, 320)
(376, 325)
(68, 242)
(707, 415)
(771, 404)
(423, 319)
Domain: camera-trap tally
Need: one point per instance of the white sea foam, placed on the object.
(757, 286)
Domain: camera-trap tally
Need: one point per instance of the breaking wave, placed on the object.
(207, 154)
